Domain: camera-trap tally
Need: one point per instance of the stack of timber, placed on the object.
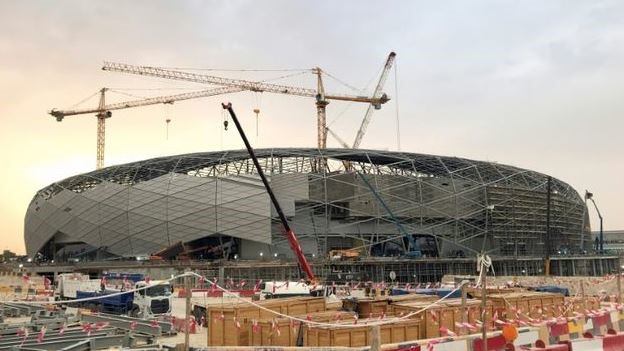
(228, 324)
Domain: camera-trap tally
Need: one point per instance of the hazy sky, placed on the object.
(535, 84)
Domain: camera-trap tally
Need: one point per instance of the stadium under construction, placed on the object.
(359, 213)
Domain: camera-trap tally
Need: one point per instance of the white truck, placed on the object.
(66, 285)
(150, 302)
(153, 301)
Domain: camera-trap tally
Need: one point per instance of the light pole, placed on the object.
(590, 196)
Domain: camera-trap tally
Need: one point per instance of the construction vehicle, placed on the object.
(274, 289)
(288, 232)
(413, 248)
(155, 297)
(150, 302)
(66, 285)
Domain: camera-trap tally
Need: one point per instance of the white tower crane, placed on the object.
(103, 111)
(376, 94)
(372, 107)
(322, 99)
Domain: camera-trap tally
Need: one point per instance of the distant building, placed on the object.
(613, 240)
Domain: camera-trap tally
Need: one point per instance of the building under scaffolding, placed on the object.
(215, 204)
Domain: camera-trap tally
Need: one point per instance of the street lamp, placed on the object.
(590, 196)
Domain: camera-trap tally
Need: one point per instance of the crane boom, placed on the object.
(376, 94)
(290, 234)
(338, 139)
(240, 83)
(413, 250)
(60, 114)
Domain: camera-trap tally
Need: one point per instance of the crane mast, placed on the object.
(320, 95)
(102, 115)
(321, 110)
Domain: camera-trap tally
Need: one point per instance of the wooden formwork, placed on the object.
(284, 331)
(533, 304)
(476, 292)
(373, 307)
(228, 324)
(397, 332)
(444, 314)
(581, 304)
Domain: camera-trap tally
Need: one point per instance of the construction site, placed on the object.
(306, 248)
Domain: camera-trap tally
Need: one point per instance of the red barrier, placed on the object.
(408, 347)
(613, 342)
(601, 319)
(557, 347)
(558, 329)
(496, 343)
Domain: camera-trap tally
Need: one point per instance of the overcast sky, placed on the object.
(535, 84)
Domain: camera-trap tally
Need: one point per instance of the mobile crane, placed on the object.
(290, 234)
(413, 248)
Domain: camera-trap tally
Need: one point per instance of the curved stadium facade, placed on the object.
(215, 204)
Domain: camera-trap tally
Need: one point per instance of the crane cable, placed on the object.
(360, 91)
(396, 106)
(85, 99)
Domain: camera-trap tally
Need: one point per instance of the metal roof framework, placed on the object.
(460, 202)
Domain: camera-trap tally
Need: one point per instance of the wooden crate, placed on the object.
(532, 304)
(224, 320)
(397, 332)
(445, 314)
(267, 331)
